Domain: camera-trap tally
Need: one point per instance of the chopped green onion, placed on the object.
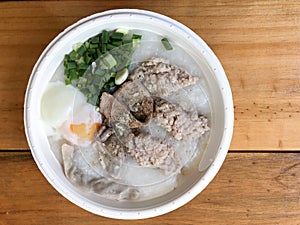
(102, 65)
(109, 61)
(122, 30)
(126, 42)
(117, 35)
(80, 61)
(101, 84)
(136, 43)
(110, 47)
(73, 74)
(82, 80)
(87, 44)
(76, 46)
(95, 40)
(66, 72)
(81, 50)
(88, 77)
(83, 67)
(92, 51)
(127, 63)
(104, 48)
(73, 55)
(117, 43)
(98, 52)
(67, 81)
(92, 89)
(97, 79)
(106, 77)
(81, 72)
(166, 44)
(93, 46)
(99, 72)
(104, 37)
(67, 58)
(94, 65)
(136, 36)
(88, 59)
(71, 65)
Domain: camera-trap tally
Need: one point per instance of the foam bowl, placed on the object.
(220, 102)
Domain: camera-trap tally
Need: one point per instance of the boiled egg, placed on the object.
(82, 125)
(66, 111)
(57, 103)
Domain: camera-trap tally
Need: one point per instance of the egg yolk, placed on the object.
(84, 131)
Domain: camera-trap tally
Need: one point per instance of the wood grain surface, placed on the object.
(249, 189)
(258, 44)
(256, 41)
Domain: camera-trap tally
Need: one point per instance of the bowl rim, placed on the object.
(211, 171)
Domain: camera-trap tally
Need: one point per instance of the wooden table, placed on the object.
(258, 43)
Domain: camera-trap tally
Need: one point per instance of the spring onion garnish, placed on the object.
(101, 63)
(117, 36)
(136, 36)
(109, 61)
(166, 44)
(122, 30)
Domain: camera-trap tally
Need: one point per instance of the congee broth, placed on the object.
(126, 113)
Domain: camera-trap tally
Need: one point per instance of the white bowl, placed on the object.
(220, 102)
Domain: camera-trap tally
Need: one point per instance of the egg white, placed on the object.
(63, 105)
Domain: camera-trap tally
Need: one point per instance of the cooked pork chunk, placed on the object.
(105, 134)
(112, 144)
(106, 102)
(181, 124)
(161, 78)
(153, 152)
(137, 98)
(131, 105)
(115, 112)
(121, 115)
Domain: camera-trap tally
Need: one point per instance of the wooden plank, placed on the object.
(251, 188)
(256, 41)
